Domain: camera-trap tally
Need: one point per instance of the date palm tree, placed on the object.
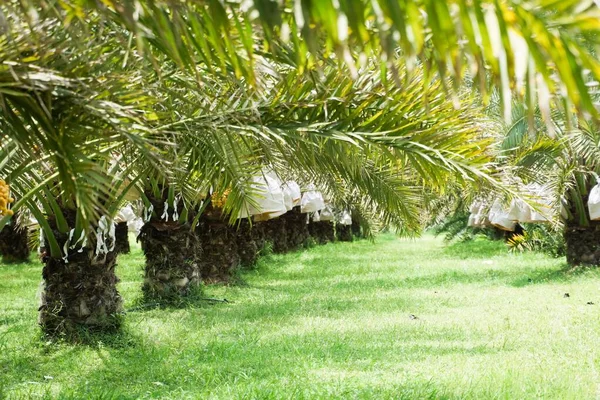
(82, 83)
(562, 155)
(529, 48)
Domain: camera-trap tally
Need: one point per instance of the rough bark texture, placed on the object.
(344, 233)
(583, 244)
(79, 291)
(220, 258)
(296, 228)
(322, 231)
(122, 238)
(172, 251)
(276, 233)
(250, 242)
(14, 246)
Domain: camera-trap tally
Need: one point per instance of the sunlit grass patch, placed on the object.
(395, 319)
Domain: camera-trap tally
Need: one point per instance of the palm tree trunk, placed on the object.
(344, 233)
(250, 241)
(356, 229)
(583, 244)
(276, 233)
(172, 251)
(322, 231)
(80, 289)
(296, 228)
(14, 243)
(219, 240)
(122, 238)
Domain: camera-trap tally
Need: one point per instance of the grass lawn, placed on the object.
(331, 322)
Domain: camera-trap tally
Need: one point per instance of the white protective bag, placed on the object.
(327, 213)
(519, 211)
(291, 194)
(480, 216)
(315, 217)
(594, 203)
(499, 217)
(474, 210)
(287, 198)
(125, 214)
(268, 198)
(542, 211)
(312, 200)
(472, 219)
(475, 206)
(345, 219)
(563, 211)
(134, 223)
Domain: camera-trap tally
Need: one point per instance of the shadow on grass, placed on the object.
(117, 338)
(197, 300)
(244, 358)
(565, 274)
(477, 248)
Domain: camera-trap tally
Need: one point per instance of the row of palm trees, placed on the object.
(553, 166)
(562, 155)
(100, 100)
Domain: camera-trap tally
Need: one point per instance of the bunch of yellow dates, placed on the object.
(218, 200)
(5, 199)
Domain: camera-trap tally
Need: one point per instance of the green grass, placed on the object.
(331, 322)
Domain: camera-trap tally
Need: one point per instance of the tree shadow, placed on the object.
(211, 362)
(477, 248)
(117, 338)
(198, 300)
(566, 273)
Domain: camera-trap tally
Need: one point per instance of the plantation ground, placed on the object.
(334, 321)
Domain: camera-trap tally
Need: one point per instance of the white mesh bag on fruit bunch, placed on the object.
(346, 218)
(125, 214)
(315, 217)
(563, 211)
(471, 222)
(267, 198)
(292, 191)
(519, 211)
(541, 211)
(480, 216)
(594, 203)
(473, 210)
(312, 200)
(287, 198)
(327, 213)
(498, 217)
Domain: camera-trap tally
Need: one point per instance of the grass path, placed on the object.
(331, 322)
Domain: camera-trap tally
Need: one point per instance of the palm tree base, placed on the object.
(220, 255)
(122, 238)
(14, 246)
(322, 231)
(296, 228)
(344, 233)
(356, 229)
(250, 242)
(172, 270)
(583, 244)
(275, 231)
(80, 293)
